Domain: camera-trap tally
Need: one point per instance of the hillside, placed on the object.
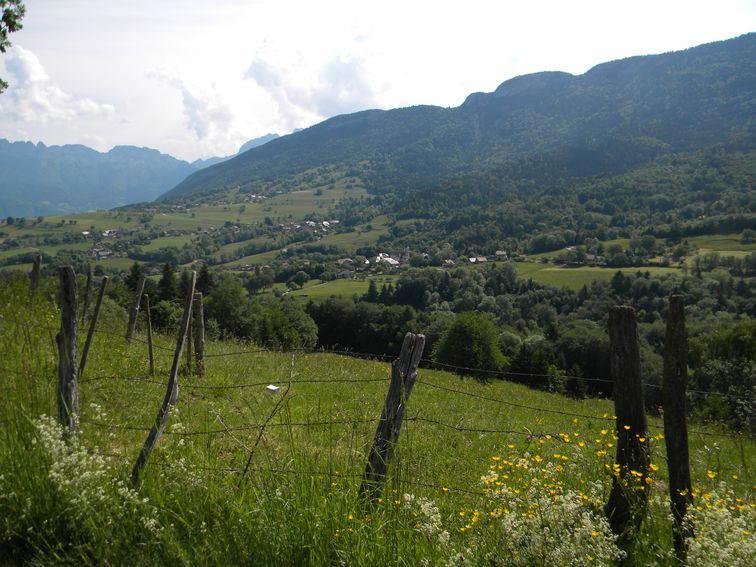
(617, 115)
(485, 472)
(46, 180)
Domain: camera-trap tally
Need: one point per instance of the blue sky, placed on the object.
(197, 79)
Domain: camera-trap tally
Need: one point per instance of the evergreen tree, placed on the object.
(204, 280)
(167, 287)
(132, 280)
(372, 292)
(185, 283)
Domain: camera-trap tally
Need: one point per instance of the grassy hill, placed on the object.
(484, 472)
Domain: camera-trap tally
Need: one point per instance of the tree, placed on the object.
(471, 341)
(12, 13)
(372, 292)
(204, 280)
(167, 287)
(132, 280)
(185, 282)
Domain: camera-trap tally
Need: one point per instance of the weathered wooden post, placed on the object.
(149, 334)
(87, 297)
(135, 308)
(35, 274)
(171, 394)
(403, 375)
(627, 501)
(189, 335)
(199, 333)
(68, 394)
(675, 423)
(92, 325)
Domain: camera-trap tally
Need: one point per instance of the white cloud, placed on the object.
(33, 96)
(339, 85)
(206, 114)
(242, 68)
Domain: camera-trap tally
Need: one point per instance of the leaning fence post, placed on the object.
(171, 394)
(35, 274)
(627, 501)
(92, 324)
(403, 375)
(87, 297)
(189, 335)
(675, 424)
(68, 395)
(199, 333)
(150, 351)
(135, 308)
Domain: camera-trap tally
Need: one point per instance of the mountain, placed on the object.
(253, 143)
(49, 180)
(614, 117)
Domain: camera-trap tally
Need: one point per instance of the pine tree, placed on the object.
(185, 283)
(204, 280)
(132, 280)
(168, 286)
(372, 292)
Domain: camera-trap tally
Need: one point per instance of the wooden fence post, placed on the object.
(189, 335)
(87, 297)
(135, 308)
(627, 501)
(199, 333)
(35, 274)
(150, 350)
(675, 423)
(68, 394)
(403, 375)
(171, 394)
(92, 324)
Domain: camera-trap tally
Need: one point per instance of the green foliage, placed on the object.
(205, 279)
(724, 362)
(13, 12)
(132, 279)
(272, 323)
(167, 286)
(471, 341)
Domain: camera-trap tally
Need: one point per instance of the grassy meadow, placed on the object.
(490, 473)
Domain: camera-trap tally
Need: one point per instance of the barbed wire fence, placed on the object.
(244, 435)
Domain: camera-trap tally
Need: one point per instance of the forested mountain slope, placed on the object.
(46, 180)
(615, 117)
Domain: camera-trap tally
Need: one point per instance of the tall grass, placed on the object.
(480, 476)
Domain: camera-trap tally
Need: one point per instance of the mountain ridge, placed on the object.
(43, 180)
(676, 101)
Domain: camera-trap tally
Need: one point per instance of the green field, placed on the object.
(338, 288)
(575, 278)
(289, 207)
(246, 476)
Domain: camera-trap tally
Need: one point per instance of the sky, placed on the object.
(196, 79)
